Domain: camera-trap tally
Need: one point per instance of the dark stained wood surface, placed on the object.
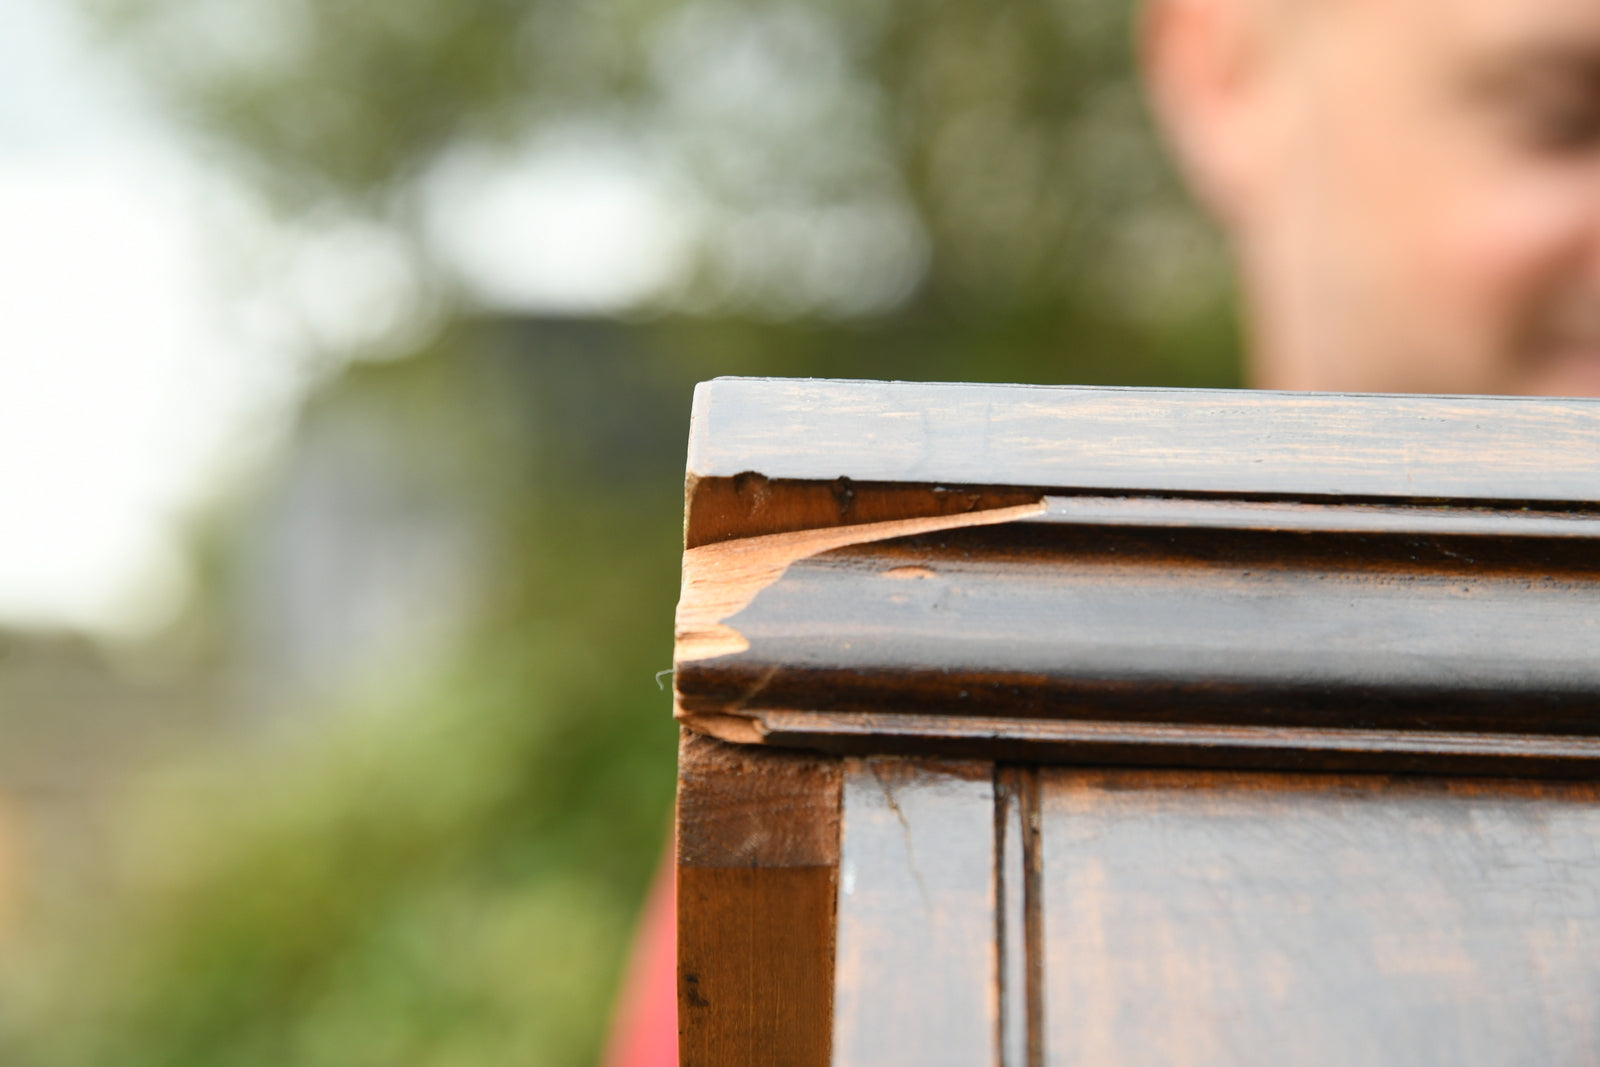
(918, 968)
(1028, 617)
(750, 505)
(1224, 919)
(1214, 918)
(1148, 579)
(1296, 445)
(758, 853)
(1210, 632)
(1263, 580)
(1179, 743)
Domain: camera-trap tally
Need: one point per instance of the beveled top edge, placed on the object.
(1106, 438)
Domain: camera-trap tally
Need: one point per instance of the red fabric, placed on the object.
(645, 1030)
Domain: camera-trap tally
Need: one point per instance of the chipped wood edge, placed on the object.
(720, 580)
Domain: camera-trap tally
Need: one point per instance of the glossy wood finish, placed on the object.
(1029, 618)
(949, 604)
(1219, 633)
(1222, 919)
(1294, 445)
(1215, 918)
(918, 962)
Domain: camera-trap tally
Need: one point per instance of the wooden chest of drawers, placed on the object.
(1030, 725)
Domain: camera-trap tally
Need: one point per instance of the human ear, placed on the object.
(1201, 70)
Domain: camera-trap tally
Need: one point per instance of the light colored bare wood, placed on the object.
(719, 580)
(757, 847)
(750, 505)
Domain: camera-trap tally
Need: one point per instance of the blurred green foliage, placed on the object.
(451, 878)
(443, 876)
(994, 151)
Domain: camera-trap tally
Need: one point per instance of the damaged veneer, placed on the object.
(1450, 627)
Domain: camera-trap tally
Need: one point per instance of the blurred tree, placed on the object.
(963, 189)
(442, 871)
(961, 160)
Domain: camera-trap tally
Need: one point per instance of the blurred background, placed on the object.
(346, 352)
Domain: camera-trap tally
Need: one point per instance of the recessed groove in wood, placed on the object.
(751, 505)
(1033, 913)
(1180, 744)
(1011, 926)
(1353, 634)
(1204, 578)
(1289, 517)
(905, 603)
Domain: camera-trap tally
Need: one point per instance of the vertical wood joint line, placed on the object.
(1019, 994)
(1005, 808)
(1033, 911)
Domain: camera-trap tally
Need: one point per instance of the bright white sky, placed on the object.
(129, 382)
(110, 411)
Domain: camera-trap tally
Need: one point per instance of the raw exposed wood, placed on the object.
(1208, 632)
(749, 807)
(755, 966)
(719, 580)
(1151, 579)
(758, 850)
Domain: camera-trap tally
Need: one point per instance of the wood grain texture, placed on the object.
(1226, 919)
(1299, 445)
(758, 847)
(1179, 743)
(742, 807)
(1217, 633)
(1032, 615)
(917, 980)
(754, 966)
(750, 505)
(1283, 582)
(1202, 578)
(720, 580)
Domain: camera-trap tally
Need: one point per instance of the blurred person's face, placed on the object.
(1412, 186)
